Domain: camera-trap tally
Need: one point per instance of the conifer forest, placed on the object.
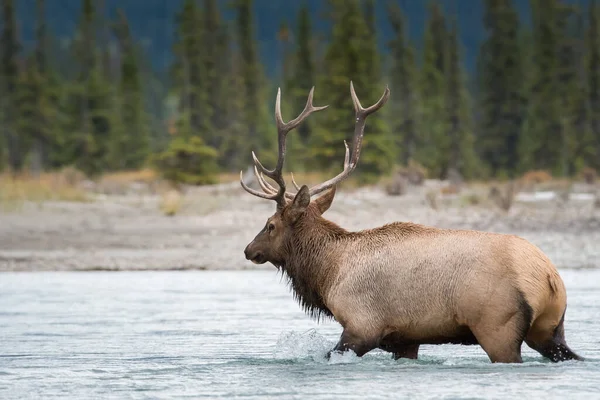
(96, 104)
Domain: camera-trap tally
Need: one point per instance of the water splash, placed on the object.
(309, 344)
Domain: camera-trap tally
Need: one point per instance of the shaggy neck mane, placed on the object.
(308, 266)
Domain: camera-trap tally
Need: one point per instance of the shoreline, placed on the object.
(210, 231)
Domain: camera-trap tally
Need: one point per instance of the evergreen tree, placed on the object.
(571, 92)
(461, 156)
(303, 76)
(190, 73)
(130, 142)
(593, 79)
(42, 82)
(346, 59)
(502, 85)
(403, 107)
(233, 155)
(257, 115)
(90, 95)
(435, 146)
(10, 50)
(541, 145)
(215, 52)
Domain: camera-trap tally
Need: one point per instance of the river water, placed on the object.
(239, 334)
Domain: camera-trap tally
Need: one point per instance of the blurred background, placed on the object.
(116, 114)
(124, 125)
(484, 88)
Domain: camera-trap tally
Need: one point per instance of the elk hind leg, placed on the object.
(548, 338)
(501, 335)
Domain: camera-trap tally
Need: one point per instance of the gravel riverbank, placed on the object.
(213, 227)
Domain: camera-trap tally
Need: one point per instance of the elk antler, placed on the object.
(359, 131)
(279, 195)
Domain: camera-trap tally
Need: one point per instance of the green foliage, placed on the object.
(434, 148)
(461, 155)
(10, 49)
(404, 103)
(303, 72)
(94, 102)
(549, 133)
(502, 88)
(349, 56)
(187, 161)
(591, 145)
(130, 139)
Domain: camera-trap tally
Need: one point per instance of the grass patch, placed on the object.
(171, 203)
(15, 191)
(145, 175)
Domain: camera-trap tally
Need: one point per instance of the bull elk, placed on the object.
(402, 285)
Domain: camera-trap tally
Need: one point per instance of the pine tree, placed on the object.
(233, 155)
(42, 83)
(215, 52)
(303, 76)
(461, 155)
(541, 146)
(501, 83)
(435, 145)
(257, 117)
(130, 142)
(10, 50)
(90, 95)
(347, 58)
(190, 73)
(571, 91)
(593, 78)
(403, 107)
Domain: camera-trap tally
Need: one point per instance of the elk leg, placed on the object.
(351, 341)
(410, 351)
(393, 343)
(501, 342)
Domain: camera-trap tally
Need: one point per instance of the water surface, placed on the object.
(209, 334)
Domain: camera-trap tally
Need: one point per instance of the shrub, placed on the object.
(536, 177)
(397, 186)
(432, 199)
(504, 199)
(414, 173)
(188, 162)
(589, 175)
(171, 203)
(450, 189)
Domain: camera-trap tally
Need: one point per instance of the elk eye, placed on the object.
(270, 227)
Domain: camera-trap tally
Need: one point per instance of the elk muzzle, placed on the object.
(256, 256)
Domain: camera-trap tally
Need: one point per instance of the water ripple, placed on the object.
(240, 334)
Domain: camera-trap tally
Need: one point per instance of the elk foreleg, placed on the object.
(359, 344)
(408, 351)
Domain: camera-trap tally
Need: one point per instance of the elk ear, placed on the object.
(299, 204)
(324, 202)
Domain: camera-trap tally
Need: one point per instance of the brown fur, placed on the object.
(403, 284)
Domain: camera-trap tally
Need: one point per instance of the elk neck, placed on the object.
(311, 266)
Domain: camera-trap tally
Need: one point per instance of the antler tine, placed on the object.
(266, 187)
(256, 192)
(294, 182)
(351, 160)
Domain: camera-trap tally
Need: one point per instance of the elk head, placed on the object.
(272, 243)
